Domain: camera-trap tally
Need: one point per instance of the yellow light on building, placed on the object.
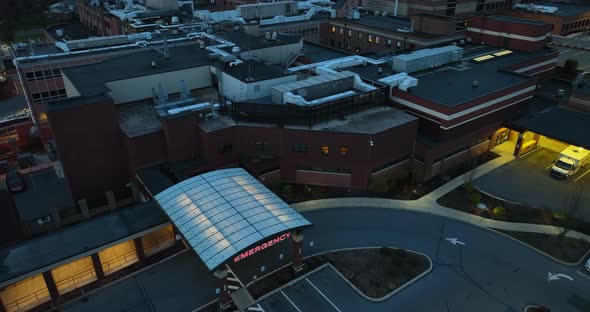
(502, 53)
(483, 58)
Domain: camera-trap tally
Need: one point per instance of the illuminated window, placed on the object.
(341, 31)
(118, 257)
(325, 150)
(349, 33)
(388, 43)
(377, 39)
(8, 135)
(359, 35)
(43, 117)
(74, 275)
(343, 151)
(158, 240)
(370, 38)
(25, 294)
(333, 29)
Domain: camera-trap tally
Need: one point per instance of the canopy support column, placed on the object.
(297, 238)
(224, 296)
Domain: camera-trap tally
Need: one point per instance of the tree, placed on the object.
(570, 66)
(572, 204)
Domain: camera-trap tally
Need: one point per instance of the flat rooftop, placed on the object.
(388, 23)
(319, 53)
(43, 251)
(44, 192)
(12, 106)
(451, 85)
(516, 20)
(90, 79)
(136, 119)
(559, 123)
(251, 71)
(567, 9)
(371, 71)
(370, 121)
(247, 42)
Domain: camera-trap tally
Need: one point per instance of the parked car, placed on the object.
(14, 180)
(587, 266)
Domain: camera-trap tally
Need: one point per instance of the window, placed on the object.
(359, 35)
(333, 30)
(377, 40)
(341, 31)
(325, 150)
(370, 38)
(343, 151)
(263, 146)
(299, 148)
(257, 88)
(49, 95)
(8, 135)
(224, 148)
(349, 33)
(388, 43)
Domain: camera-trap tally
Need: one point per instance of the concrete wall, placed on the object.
(71, 91)
(237, 90)
(91, 149)
(135, 89)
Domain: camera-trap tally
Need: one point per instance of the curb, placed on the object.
(542, 252)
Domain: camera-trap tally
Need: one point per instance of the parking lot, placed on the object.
(323, 290)
(527, 180)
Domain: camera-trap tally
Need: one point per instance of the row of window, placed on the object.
(576, 24)
(49, 95)
(324, 150)
(481, 5)
(370, 37)
(265, 146)
(43, 74)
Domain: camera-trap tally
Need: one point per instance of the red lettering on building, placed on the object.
(262, 246)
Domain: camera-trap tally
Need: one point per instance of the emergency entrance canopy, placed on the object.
(222, 212)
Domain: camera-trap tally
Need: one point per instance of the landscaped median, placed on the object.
(569, 250)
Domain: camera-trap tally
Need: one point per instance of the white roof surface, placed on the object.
(222, 212)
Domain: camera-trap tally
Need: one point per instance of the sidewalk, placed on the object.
(428, 204)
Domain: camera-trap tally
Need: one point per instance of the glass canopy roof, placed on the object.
(222, 212)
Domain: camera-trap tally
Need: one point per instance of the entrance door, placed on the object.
(502, 137)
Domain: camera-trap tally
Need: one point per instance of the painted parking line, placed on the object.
(548, 166)
(585, 173)
(321, 293)
(583, 275)
(290, 301)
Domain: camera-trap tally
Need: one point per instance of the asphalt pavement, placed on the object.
(528, 181)
(483, 271)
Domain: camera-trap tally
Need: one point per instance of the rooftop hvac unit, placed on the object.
(384, 13)
(376, 13)
(356, 15)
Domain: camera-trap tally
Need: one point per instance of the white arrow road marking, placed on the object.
(557, 276)
(454, 241)
(583, 275)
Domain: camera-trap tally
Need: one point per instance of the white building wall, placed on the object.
(135, 89)
(71, 91)
(236, 90)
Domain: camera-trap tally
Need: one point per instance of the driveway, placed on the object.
(489, 272)
(528, 181)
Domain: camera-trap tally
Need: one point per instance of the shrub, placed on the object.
(499, 211)
(560, 216)
(475, 198)
(469, 187)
